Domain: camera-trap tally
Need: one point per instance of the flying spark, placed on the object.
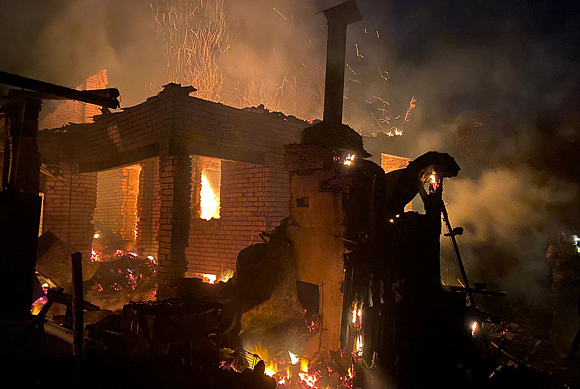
(280, 13)
(385, 79)
(358, 54)
(351, 69)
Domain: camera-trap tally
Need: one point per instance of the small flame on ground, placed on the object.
(209, 278)
(294, 359)
(299, 371)
(474, 328)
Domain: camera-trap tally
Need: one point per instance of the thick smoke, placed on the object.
(510, 216)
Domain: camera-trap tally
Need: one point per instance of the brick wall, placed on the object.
(173, 126)
(173, 234)
(148, 204)
(214, 244)
(109, 200)
(69, 202)
(70, 199)
(117, 196)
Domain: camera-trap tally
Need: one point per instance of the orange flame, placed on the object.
(210, 201)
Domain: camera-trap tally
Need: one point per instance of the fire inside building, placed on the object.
(182, 242)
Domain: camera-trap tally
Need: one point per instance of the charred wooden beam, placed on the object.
(103, 97)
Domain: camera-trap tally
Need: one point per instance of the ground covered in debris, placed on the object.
(526, 349)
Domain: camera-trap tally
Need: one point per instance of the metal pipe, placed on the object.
(457, 254)
(335, 63)
(339, 17)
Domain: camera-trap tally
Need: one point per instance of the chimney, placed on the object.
(331, 133)
(339, 17)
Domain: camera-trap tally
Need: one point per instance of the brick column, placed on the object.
(146, 233)
(175, 193)
(196, 168)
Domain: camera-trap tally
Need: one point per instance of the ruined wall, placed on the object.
(117, 192)
(214, 244)
(174, 126)
(69, 202)
(107, 213)
(70, 197)
(254, 196)
(148, 208)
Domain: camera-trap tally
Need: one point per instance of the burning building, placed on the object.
(186, 181)
(335, 277)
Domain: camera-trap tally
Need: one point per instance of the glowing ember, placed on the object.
(300, 372)
(308, 379)
(97, 234)
(96, 256)
(210, 202)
